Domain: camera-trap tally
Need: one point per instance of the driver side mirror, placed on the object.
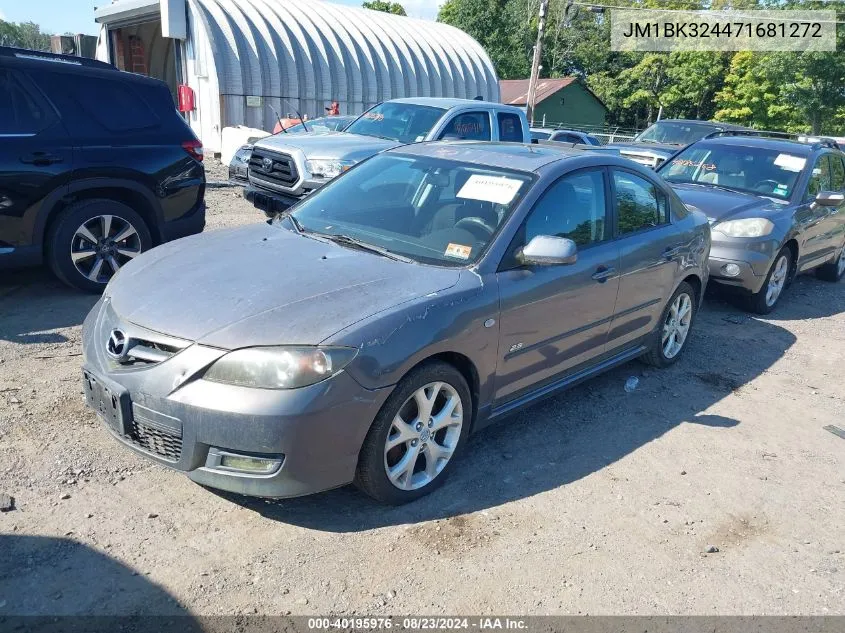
(547, 250)
(830, 198)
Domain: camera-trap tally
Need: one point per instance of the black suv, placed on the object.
(96, 166)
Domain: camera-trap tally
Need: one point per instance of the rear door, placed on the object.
(554, 318)
(36, 158)
(649, 253)
(815, 220)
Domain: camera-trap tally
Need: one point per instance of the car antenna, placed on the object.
(278, 118)
(301, 120)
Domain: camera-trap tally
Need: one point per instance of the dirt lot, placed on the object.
(598, 501)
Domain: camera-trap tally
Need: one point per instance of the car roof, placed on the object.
(448, 103)
(515, 156)
(779, 144)
(717, 124)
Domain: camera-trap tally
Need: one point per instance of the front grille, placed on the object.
(279, 169)
(161, 441)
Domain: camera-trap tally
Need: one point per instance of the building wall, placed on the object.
(579, 108)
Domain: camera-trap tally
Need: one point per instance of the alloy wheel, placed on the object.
(777, 280)
(101, 245)
(423, 436)
(677, 325)
(840, 266)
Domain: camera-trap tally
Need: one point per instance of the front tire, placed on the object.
(833, 271)
(670, 339)
(92, 239)
(416, 436)
(764, 300)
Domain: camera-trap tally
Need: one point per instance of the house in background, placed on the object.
(565, 102)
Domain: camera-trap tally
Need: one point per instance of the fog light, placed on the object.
(731, 270)
(259, 465)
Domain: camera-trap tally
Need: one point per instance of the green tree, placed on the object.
(388, 7)
(24, 35)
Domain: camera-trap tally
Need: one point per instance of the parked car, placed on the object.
(429, 291)
(776, 207)
(285, 169)
(96, 166)
(239, 165)
(659, 141)
(563, 136)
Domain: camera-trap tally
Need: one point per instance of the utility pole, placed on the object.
(535, 63)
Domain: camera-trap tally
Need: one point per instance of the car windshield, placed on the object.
(403, 122)
(322, 124)
(431, 210)
(675, 132)
(769, 172)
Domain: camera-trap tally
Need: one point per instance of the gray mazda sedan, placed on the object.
(363, 335)
(777, 207)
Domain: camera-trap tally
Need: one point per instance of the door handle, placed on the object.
(41, 159)
(603, 273)
(672, 252)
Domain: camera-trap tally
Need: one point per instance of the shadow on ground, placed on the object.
(33, 304)
(49, 584)
(572, 435)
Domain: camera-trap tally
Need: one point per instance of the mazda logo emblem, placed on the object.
(116, 345)
(267, 164)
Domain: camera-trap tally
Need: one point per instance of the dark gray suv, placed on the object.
(429, 291)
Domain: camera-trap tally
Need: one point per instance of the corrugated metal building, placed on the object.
(243, 59)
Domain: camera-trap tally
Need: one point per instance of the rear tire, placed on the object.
(833, 271)
(776, 282)
(416, 436)
(92, 239)
(670, 339)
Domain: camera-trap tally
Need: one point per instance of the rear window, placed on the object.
(114, 104)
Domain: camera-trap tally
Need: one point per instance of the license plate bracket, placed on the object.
(110, 402)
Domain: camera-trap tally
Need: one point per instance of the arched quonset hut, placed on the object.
(243, 59)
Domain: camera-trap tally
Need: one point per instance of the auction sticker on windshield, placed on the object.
(496, 189)
(458, 251)
(790, 162)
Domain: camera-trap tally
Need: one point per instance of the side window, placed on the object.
(19, 112)
(820, 177)
(510, 128)
(470, 126)
(572, 207)
(837, 173)
(112, 103)
(639, 202)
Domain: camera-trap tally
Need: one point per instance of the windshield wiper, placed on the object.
(347, 240)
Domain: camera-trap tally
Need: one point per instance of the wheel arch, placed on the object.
(467, 369)
(130, 193)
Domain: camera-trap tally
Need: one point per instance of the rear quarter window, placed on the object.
(114, 104)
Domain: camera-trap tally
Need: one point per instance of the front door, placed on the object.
(814, 219)
(554, 318)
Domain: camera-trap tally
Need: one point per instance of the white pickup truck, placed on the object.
(284, 168)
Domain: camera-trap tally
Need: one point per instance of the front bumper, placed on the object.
(271, 202)
(184, 422)
(753, 258)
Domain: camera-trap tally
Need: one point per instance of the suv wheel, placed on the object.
(92, 239)
(416, 435)
(833, 271)
(764, 300)
(670, 339)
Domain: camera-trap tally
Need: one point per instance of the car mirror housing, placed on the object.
(548, 250)
(830, 198)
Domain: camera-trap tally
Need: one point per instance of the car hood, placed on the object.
(339, 145)
(720, 204)
(263, 285)
(658, 149)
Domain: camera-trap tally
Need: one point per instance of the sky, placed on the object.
(77, 16)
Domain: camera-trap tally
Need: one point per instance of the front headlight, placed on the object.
(243, 155)
(748, 227)
(328, 167)
(279, 367)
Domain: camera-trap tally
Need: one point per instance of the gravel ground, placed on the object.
(597, 501)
